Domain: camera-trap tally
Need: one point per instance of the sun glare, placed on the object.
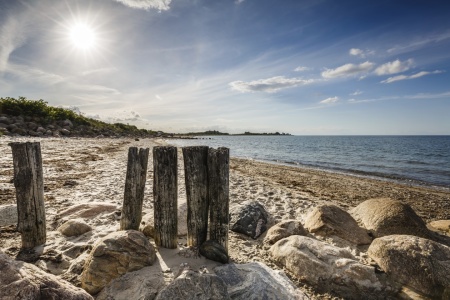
(82, 36)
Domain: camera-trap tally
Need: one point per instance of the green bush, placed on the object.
(48, 114)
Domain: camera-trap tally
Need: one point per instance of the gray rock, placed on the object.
(33, 126)
(329, 220)
(64, 131)
(8, 215)
(114, 255)
(40, 129)
(195, 286)
(384, 216)
(74, 227)
(214, 251)
(143, 284)
(250, 219)
(67, 123)
(23, 281)
(5, 120)
(329, 268)
(418, 263)
(12, 127)
(284, 229)
(254, 281)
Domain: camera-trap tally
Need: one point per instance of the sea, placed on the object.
(412, 160)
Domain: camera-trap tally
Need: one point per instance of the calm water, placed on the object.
(410, 159)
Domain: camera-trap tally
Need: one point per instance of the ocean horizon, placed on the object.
(408, 159)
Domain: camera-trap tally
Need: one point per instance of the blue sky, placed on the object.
(303, 67)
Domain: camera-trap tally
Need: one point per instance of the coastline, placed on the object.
(96, 169)
(348, 190)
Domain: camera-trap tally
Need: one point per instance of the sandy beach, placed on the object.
(80, 171)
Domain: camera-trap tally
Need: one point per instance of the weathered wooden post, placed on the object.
(134, 188)
(29, 183)
(218, 193)
(165, 192)
(196, 177)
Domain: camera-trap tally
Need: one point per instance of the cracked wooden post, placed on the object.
(29, 184)
(218, 194)
(165, 192)
(134, 188)
(196, 177)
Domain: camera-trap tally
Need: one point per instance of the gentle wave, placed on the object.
(409, 159)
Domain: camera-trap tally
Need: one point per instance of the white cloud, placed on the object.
(348, 70)
(421, 42)
(12, 36)
(301, 69)
(394, 67)
(405, 77)
(356, 52)
(268, 85)
(356, 93)
(147, 4)
(330, 100)
(360, 52)
(239, 1)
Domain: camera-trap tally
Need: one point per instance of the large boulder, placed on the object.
(8, 215)
(255, 281)
(143, 284)
(193, 285)
(329, 220)
(114, 255)
(421, 264)
(250, 219)
(24, 281)
(284, 229)
(328, 268)
(74, 227)
(384, 216)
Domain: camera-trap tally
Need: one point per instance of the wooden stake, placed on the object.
(218, 194)
(196, 177)
(134, 188)
(29, 183)
(165, 192)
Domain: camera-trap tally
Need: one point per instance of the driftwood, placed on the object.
(218, 194)
(29, 184)
(134, 188)
(196, 177)
(165, 185)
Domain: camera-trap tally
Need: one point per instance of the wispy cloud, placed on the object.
(394, 67)
(98, 71)
(269, 85)
(415, 96)
(330, 100)
(361, 53)
(147, 4)
(406, 77)
(301, 69)
(356, 93)
(420, 43)
(348, 70)
(12, 36)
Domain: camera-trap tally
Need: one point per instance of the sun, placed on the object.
(82, 36)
